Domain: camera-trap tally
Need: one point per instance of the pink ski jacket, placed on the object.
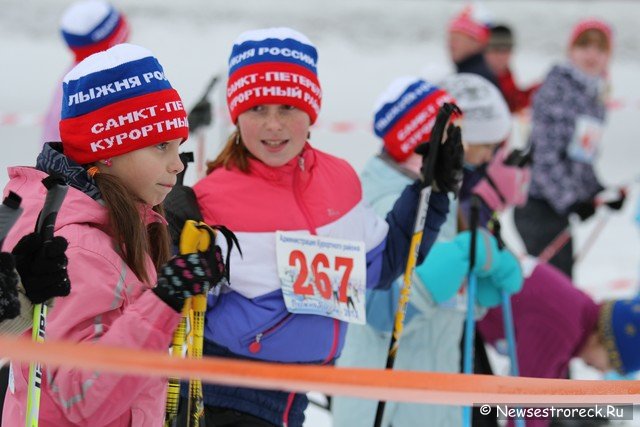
(108, 305)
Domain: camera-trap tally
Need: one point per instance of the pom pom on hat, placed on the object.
(473, 21)
(404, 114)
(273, 66)
(117, 101)
(486, 116)
(90, 26)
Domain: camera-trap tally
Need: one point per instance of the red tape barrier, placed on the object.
(419, 387)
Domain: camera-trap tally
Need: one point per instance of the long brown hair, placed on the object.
(234, 154)
(132, 237)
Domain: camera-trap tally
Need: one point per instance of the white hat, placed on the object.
(486, 117)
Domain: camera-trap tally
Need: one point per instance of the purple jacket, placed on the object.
(564, 97)
(552, 320)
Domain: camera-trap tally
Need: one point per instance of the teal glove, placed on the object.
(506, 275)
(445, 268)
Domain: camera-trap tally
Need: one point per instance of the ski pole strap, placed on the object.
(496, 229)
(186, 157)
(231, 241)
(10, 211)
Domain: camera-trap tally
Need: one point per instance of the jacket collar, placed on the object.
(303, 162)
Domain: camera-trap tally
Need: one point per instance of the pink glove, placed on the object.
(505, 185)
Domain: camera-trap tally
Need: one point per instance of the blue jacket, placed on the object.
(315, 193)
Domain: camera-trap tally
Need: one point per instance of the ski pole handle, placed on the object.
(436, 138)
(56, 192)
(195, 237)
(10, 211)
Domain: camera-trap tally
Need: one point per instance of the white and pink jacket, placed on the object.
(108, 305)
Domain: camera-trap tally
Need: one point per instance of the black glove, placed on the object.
(618, 203)
(450, 162)
(182, 277)
(9, 303)
(584, 209)
(42, 267)
(180, 205)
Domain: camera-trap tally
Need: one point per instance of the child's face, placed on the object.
(590, 58)
(462, 46)
(498, 59)
(595, 354)
(478, 154)
(274, 133)
(150, 172)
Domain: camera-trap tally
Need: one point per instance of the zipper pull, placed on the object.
(255, 346)
(301, 163)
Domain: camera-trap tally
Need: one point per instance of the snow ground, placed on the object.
(363, 45)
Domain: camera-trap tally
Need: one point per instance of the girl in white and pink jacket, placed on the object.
(122, 124)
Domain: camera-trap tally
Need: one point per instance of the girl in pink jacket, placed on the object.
(122, 124)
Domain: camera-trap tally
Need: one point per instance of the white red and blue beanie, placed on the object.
(90, 26)
(117, 101)
(273, 66)
(487, 119)
(404, 114)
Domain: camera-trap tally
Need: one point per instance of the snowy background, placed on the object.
(363, 45)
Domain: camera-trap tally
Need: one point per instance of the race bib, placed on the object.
(586, 138)
(322, 276)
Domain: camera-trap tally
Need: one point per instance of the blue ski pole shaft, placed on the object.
(470, 324)
(510, 334)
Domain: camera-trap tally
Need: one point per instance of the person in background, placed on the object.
(569, 115)
(468, 34)
(433, 326)
(498, 57)
(87, 27)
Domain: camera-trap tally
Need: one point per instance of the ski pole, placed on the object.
(472, 286)
(591, 239)
(10, 211)
(564, 236)
(435, 139)
(56, 192)
(200, 117)
(507, 316)
(195, 237)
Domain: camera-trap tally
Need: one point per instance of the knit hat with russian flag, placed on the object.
(273, 66)
(90, 26)
(117, 101)
(405, 113)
